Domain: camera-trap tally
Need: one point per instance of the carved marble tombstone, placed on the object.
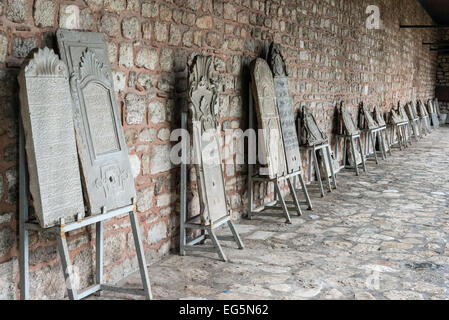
(285, 109)
(206, 142)
(402, 113)
(46, 109)
(268, 119)
(370, 123)
(410, 112)
(310, 134)
(395, 117)
(378, 117)
(422, 111)
(348, 121)
(102, 150)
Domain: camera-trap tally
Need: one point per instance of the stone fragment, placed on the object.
(17, 10)
(44, 13)
(135, 108)
(131, 27)
(23, 46)
(147, 58)
(69, 17)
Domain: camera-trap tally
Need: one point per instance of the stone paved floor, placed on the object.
(379, 236)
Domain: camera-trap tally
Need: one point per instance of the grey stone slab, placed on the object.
(272, 145)
(206, 142)
(46, 109)
(348, 121)
(105, 165)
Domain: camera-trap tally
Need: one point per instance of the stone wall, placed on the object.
(443, 74)
(331, 56)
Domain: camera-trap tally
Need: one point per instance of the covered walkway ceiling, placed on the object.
(438, 10)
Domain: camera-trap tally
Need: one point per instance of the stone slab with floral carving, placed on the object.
(105, 165)
(47, 116)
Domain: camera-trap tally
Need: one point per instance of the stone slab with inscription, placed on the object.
(309, 132)
(285, 109)
(348, 121)
(268, 118)
(103, 153)
(206, 142)
(47, 116)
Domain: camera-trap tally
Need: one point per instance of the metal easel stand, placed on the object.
(425, 125)
(195, 223)
(351, 139)
(25, 225)
(279, 202)
(314, 164)
(416, 131)
(435, 120)
(401, 133)
(371, 137)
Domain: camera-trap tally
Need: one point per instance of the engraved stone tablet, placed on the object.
(403, 113)
(378, 117)
(348, 121)
(285, 109)
(268, 118)
(410, 112)
(370, 122)
(206, 142)
(47, 116)
(422, 112)
(395, 117)
(102, 150)
(310, 133)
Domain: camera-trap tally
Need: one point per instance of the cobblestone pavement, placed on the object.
(382, 235)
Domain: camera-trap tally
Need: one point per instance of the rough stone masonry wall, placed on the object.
(443, 72)
(330, 54)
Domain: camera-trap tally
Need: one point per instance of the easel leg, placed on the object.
(306, 193)
(281, 198)
(381, 141)
(294, 196)
(323, 162)
(374, 146)
(24, 264)
(388, 142)
(23, 218)
(236, 235)
(354, 157)
(334, 179)
(361, 154)
(140, 256)
(317, 173)
(67, 267)
(217, 244)
(99, 252)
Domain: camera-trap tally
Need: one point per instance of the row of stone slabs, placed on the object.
(69, 114)
(79, 90)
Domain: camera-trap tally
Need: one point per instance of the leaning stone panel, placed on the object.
(268, 118)
(102, 150)
(371, 124)
(348, 121)
(309, 132)
(206, 142)
(285, 109)
(47, 116)
(378, 117)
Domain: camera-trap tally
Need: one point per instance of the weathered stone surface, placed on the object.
(268, 119)
(17, 10)
(135, 108)
(7, 240)
(157, 112)
(3, 46)
(157, 232)
(22, 46)
(46, 109)
(69, 17)
(105, 164)
(109, 24)
(8, 270)
(285, 110)
(126, 57)
(147, 58)
(131, 27)
(160, 158)
(44, 13)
